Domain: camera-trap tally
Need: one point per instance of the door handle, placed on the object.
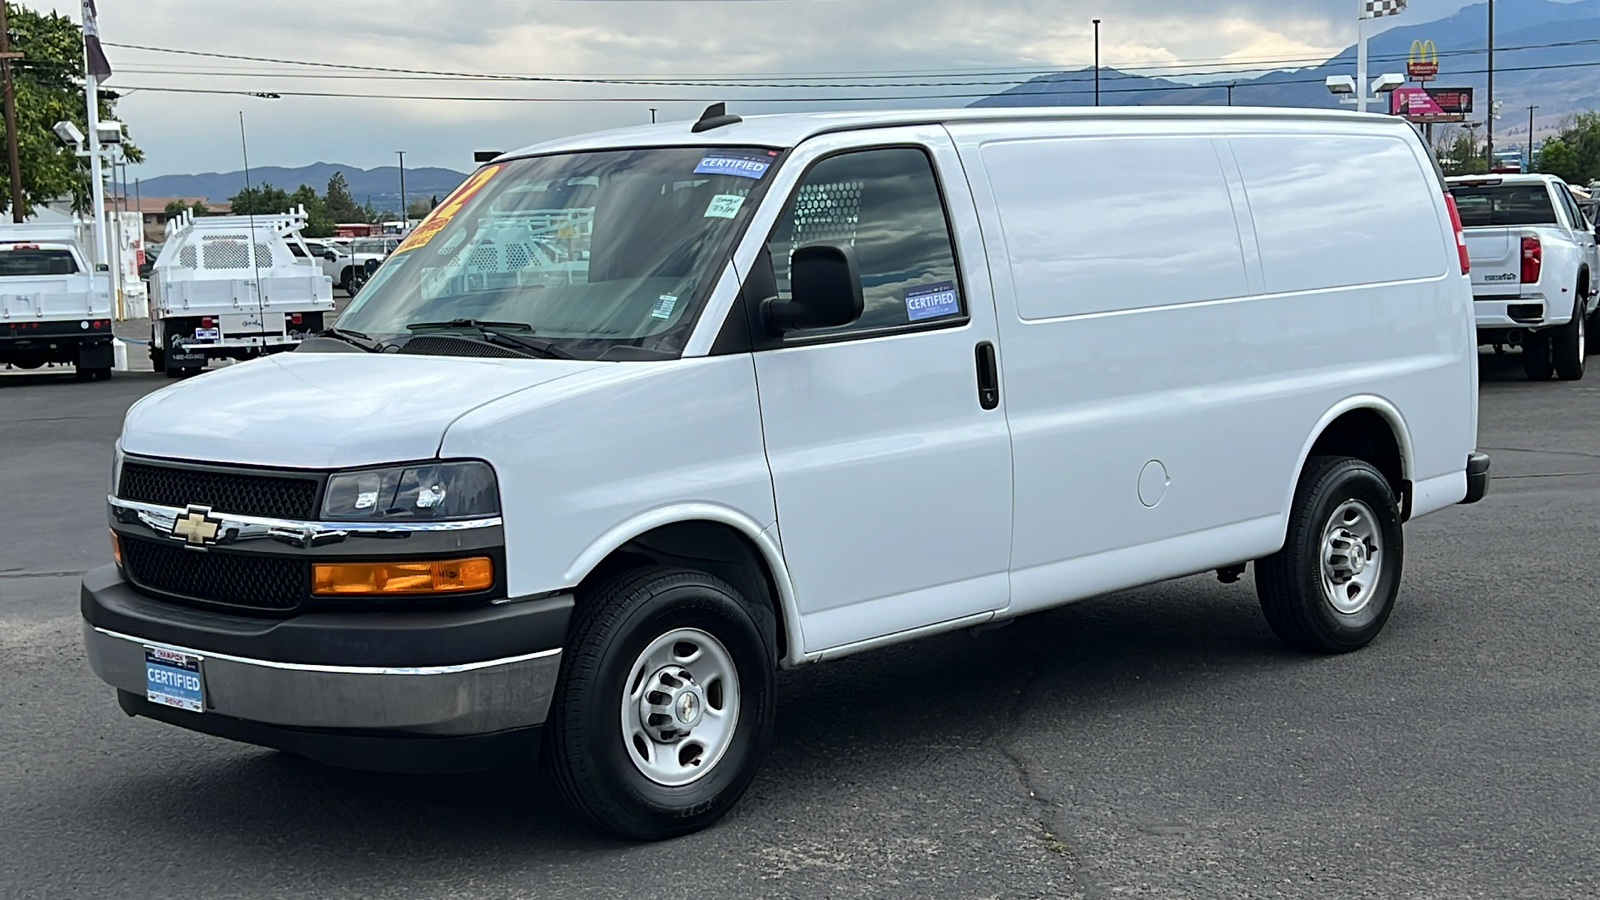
(988, 377)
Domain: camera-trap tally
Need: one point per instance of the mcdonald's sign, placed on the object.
(1422, 61)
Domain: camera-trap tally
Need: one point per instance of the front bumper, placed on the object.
(336, 677)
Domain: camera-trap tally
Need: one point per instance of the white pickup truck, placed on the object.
(54, 307)
(1533, 264)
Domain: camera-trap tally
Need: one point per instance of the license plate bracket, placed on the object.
(174, 678)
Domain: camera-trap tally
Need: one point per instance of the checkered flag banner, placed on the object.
(1377, 9)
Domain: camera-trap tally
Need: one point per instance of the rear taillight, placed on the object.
(295, 318)
(1532, 259)
(1461, 236)
(206, 322)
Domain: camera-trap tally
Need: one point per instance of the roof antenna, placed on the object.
(715, 116)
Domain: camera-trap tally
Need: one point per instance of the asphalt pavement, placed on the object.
(1157, 743)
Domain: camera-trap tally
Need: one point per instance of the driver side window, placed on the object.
(886, 204)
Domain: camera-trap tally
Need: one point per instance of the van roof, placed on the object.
(787, 130)
(1503, 178)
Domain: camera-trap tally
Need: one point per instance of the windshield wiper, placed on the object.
(352, 337)
(497, 333)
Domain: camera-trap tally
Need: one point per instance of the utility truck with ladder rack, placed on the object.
(233, 287)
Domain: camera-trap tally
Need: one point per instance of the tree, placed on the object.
(260, 201)
(419, 208)
(49, 87)
(318, 223)
(340, 206)
(175, 208)
(1574, 153)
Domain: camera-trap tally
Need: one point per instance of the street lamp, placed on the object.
(1096, 62)
(405, 218)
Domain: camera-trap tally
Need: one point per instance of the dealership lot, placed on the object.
(1160, 743)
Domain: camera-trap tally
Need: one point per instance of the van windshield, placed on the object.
(586, 251)
(1503, 204)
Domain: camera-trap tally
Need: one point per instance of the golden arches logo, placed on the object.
(1422, 60)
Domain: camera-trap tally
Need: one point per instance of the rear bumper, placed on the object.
(335, 680)
(1477, 477)
(84, 342)
(1503, 312)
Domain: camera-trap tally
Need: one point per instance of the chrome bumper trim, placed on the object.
(469, 698)
(232, 528)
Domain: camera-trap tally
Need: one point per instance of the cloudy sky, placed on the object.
(651, 40)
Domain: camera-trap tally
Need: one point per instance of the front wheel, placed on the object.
(1332, 586)
(665, 702)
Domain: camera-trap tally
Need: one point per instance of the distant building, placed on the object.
(153, 210)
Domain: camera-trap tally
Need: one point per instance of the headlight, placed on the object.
(116, 467)
(449, 490)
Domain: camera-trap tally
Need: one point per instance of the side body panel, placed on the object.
(1159, 421)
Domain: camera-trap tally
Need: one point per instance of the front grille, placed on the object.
(273, 583)
(239, 492)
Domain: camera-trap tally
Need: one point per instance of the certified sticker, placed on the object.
(744, 165)
(664, 306)
(932, 301)
(172, 678)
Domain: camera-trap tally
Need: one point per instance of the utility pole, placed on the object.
(1096, 62)
(15, 157)
(1230, 93)
(1488, 117)
(1530, 138)
(404, 216)
(1361, 55)
(652, 115)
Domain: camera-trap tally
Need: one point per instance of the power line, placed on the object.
(775, 81)
(779, 99)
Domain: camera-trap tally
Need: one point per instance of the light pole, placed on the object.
(1096, 62)
(652, 115)
(1230, 93)
(404, 217)
(1488, 116)
(1531, 108)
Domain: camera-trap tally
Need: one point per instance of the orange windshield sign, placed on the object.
(444, 212)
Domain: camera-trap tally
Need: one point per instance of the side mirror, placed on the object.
(329, 255)
(825, 289)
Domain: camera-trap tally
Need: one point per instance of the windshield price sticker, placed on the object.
(744, 166)
(441, 216)
(932, 301)
(724, 206)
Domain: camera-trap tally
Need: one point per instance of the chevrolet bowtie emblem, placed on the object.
(196, 526)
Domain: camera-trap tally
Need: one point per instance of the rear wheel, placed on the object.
(665, 702)
(1536, 361)
(1570, 345)
(1332, 586)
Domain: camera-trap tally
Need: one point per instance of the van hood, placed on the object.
(326, 410)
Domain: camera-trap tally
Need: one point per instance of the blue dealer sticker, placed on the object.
(664, 306)
(932, 301)
(742, 165)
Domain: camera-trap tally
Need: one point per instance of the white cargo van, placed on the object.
(635, 418)
(54, 308)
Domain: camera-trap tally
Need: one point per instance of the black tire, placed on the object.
(1290, 584)
(344, 279)
(1594, 332)
(1569, 345)
(1536, 361)
(586, 751)
(158, 359)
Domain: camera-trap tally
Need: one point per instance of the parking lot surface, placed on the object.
(1157, 743)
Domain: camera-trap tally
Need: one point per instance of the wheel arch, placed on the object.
(1365, 427)
(717, 539)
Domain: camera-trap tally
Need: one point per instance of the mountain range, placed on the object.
(381, 186)
(1546, 53)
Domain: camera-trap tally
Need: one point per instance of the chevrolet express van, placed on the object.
(634, 419)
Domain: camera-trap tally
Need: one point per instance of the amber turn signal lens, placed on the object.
(116, 548)
(444, 576)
